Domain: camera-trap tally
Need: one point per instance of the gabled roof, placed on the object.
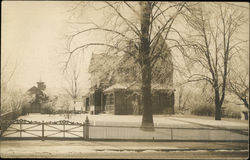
(102, 62)
(111, 69)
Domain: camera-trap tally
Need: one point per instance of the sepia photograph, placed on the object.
(124, 79)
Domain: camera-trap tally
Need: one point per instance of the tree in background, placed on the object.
(72, 76)
(11, 98)
(238, 80)
(213, 41)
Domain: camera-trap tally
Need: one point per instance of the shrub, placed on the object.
(60, 111)
(47, 110)
(203, 110)
(168, 111)
(231, 113)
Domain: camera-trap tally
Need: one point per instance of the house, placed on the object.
(115, 84)
(39, 97)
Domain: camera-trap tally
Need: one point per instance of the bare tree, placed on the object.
(238, 84)
(183, 99)
(148, 28)
(72, 76)
(213, 42)
(7, 73)
(17, 101)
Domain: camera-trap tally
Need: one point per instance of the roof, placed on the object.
(136, 86)
(121, 68)
(34, 90)
(99, 61)
(117, 86)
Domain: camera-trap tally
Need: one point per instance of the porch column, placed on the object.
(102, 109)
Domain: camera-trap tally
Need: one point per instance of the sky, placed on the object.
(33, 37)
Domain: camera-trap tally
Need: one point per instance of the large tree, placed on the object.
(146, 25)
(213, 40)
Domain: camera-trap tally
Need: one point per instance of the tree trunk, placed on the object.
(147, 116)
(144, 51)
(217, 105)
(245, 102)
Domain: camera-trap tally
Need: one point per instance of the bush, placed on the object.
(47, 110)
(203, 110)
(231, 113)
(60, 111)
(168, 111)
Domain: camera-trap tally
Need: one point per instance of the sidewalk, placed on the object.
(80, 148)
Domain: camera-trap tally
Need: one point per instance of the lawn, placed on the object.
(107, 126)
(185, 121)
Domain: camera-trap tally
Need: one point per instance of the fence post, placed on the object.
(87, 128)
(63, 130)
(42, 130)
(208, 136)
(171, 133)
(83, 130)
(20, 129)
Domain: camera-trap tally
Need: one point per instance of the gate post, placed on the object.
(42, 130)
(87, 128)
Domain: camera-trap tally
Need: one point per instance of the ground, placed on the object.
(102, 149)
(135, 120)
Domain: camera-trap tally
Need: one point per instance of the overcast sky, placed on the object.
(33, 37)
(32, 34)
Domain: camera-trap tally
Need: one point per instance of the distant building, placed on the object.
(39, 97)
(115, 88)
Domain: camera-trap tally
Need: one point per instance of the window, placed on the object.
(105, 99)
(111, 99)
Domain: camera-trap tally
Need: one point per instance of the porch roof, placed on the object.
(136, 86)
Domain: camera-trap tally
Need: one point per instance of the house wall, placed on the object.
(85, 103)
(95, 102)
(128, 102)
(163, 102)
(121, 102)
(109, 102)
(35, 107)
